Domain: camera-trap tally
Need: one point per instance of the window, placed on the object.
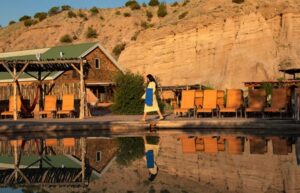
(97, 63)
(98, 156)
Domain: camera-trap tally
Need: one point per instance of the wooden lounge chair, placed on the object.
(50, 106)
(279, 102)
(199, 144)
(234, 145)
(51, 142)
(209, 102)
(256, 101)
(221, 144)
(69, 145)
(10, 111)
(220, 98)
(281, 146)
(187, 103)
(199, 98)
(258, 145)
(67, 106)
(234, 102)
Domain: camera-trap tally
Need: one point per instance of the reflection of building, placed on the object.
(236, 164)
(42, 159)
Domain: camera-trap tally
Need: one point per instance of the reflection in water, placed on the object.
(171, 163)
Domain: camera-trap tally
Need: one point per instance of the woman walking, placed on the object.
(151, 104)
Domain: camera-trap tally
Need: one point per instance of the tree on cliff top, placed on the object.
(153, 3)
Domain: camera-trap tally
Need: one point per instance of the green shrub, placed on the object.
(174, 4)
(149, 15)
(54, 11)
(94, 10)
(130, 149)
(71, 14)
(181, 16)
(238, 1)
(135, 36)
(132, 4)
(162, 10)
(118, 13)
(91, 33)
(144, 4)
(101, 17)
(127, 97)
(66, 39)
(126, 14)
(30, 22)
(25, 17)
(11, 22)
(41, 16)
(65, 7)
(185, 2)
(118, 49)
(153, 3)
(146, 25)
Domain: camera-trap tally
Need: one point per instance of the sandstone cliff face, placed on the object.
(223, 55)
(246, 173)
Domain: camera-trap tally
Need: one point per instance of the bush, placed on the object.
(94, 10)
(127, 97)
(71, 14)
(134, 37)
(30, 22)
(25, 17)
(118, 13)
(91, 33)
(66, 39)
(101, 17)
(185, 2)
(41, 16)
(65, 7)
(238, 1)
(11, 22)
(81, 14)
(174, 4)
(162, 10)
(181, 16)
(126, 14)
(149, 15)
(132, 4)
(153, 3)
(130, 149)
(146, 25)
(144, 4)
(118, 49)
(54, 11)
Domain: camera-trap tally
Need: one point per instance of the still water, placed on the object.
(175, 163)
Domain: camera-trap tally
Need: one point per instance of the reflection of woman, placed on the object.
(151, 152)
(151, 104)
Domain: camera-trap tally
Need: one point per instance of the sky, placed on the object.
(14, 9)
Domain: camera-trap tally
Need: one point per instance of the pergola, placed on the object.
(16, 67)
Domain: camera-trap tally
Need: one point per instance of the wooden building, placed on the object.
(98, 72)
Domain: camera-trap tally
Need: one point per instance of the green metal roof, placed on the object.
(26, 57)
(69, 51)
(7, 76)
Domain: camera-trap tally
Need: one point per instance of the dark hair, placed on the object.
(151, 79)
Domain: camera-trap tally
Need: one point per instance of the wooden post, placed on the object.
(82, 92)
(83, 152)
(16, 159)
(15, 93)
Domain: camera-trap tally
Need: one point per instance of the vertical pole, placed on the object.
(83, 152)
(15, 94)
(82, 92)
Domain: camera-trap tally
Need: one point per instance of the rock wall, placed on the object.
(223, 55)
(246, 173)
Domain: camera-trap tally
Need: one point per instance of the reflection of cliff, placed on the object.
(245, 172)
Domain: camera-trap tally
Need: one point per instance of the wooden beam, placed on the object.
(22, 70)
(15, 114)
(77, 70)
(41, 62)
(8, 70)
(82, 92)
(83, 152)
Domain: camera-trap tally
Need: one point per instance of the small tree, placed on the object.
(129, 90)
(91, 33)
(65, 7)
(94, 10)
(126, 14)
(66, 39)
(133, 4)
(71, 14)
(11, 22)
(153, 3)
(174, 4)
(54, 11)
(118, 49)
(118, 13)
(185, 2)
(149, 15)
(181, 16)
(238, 1)
(41, 16)
(162, 10)
(30, 22)
(25, 17)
